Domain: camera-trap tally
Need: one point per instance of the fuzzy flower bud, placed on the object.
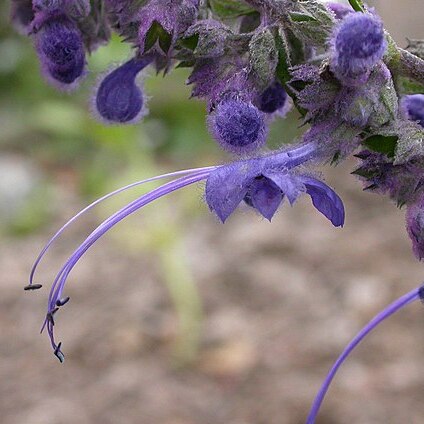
(358, 44)
(273, 99)
(238, 126)
(413, 107)
(61, 51)
(118, 98)
(415, 227)
(73, 8)
(340, 10)
(22, 14)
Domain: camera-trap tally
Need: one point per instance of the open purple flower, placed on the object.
(261, 182)
(264, 182)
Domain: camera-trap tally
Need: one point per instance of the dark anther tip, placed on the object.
(33, 287)
(421, 293)
(50, 314)
(58, 353)
(64, 301)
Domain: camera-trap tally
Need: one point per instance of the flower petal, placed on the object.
(325, 200)
(227, 186)
(291, 185)
(265, 196)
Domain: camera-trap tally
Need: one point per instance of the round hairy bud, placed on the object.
(358, 44)
(238, 126)
(118, 98)
(340, 10)
(22, 14)
(61, 51)
(413, 107)
(77, 9)
(273, 99)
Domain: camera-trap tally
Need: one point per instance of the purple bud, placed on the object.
(61, 51)
(238, 126)
(339, 9)
(413, 107)
(358, 44)
(274, 98)
(22, 15)
(415, 227)
(77, 9)
(118, 98)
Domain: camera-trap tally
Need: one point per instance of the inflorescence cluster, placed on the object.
(356, 91)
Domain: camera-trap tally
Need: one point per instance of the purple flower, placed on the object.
(61, 51)
(263, 183)
(118, 98)
(415, 226)
(238, 126)
(274, 99)
(413, 107)
(358, 44)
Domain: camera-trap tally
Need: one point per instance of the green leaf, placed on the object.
(301, 17)
(382, 144)
(229, 9)
(190, 42)
(312, 23)
(284, 64)
(357, 5)
(409, 86)
(263, 57)
(365, 172)
(157, 33)
(186, 64)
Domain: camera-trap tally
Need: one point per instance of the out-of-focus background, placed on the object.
(175, 318)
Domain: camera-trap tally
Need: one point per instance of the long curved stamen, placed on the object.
(118, 216)
(60, 280)
(379, 318)
(96, 202)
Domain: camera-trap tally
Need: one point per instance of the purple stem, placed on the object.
(107, 196)
(386, 313)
